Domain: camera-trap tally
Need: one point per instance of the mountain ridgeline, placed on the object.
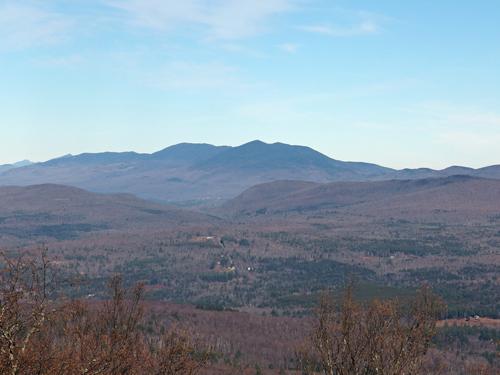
(456, 198)
(44, 212)
(203, 172)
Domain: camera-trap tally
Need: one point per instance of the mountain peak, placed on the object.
(256, 142)
(188, 152)
(286, 160)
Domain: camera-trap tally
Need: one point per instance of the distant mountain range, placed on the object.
(7, 167)
(203, 172)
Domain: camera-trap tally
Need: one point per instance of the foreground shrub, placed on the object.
(42, 335)
(383, 338)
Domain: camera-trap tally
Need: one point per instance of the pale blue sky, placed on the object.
(399, 83)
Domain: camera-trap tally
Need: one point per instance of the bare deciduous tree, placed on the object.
(41, 336)
(383, 338)
(24, 310)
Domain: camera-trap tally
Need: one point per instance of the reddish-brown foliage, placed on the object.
(42, 336)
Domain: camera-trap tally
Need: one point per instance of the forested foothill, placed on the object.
(244, 279)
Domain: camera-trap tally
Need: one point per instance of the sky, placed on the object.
(398, 83)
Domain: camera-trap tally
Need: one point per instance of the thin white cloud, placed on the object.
(60, 61)
(357, 24)
(183, 75)
(25, 26)
(242, 49)
(470, 140)
(460, 134)
(366, 27)
(218, 19)
(289, 47)
(485, 119)
(463, 117)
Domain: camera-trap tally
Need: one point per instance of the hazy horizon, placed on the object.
(400, 85)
